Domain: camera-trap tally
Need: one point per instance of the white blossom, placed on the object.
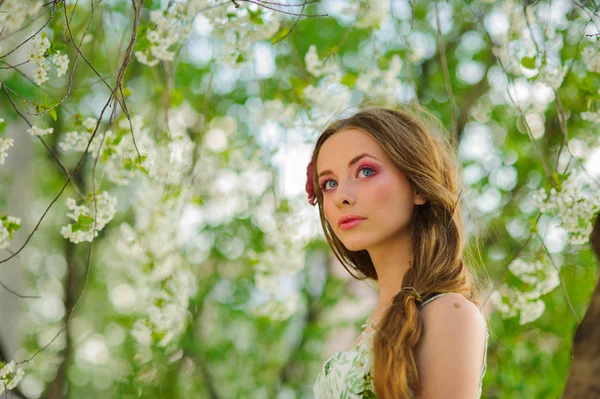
(75, 141)
(379, 83)
(90, 123)
(574, 210)
(552, 76)
(541, 276)
(78, 141)
(367, 13)
(168, 27)
(141, 332)
(318, 67)
(16, 12)
(37, 56)
(61, 62)
(4, 236)
(591, 57)
(278, 309)
(10, 376)
(103, 211)
(5, 144)
(593, 117)
(236, 29)
(8, 225)
(118, 152)
(41, 73)
(510, 302)
(36, 131)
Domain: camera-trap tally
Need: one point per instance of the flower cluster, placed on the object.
(115, 147)
(61, 62)
(537, 274)
(40, 57)
(238, 29)
(591, 57)
(283, 259)
(167, 28)
(368, 13)
(317, 67)
(119, 153)
(40, 44)
(8, 225)
(378, 83)
(10, 376)
(5, 144)
(83, 229)
(276, 111)
(158, 272)
(36, 131)
(552, 76)
(593, 117)
(540, 276)
(329, 96)
(574, 210)
(78, 141)
(15, 13)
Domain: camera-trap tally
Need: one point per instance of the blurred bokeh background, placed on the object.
(209, 276)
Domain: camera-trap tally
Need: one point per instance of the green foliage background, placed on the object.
(280, 359)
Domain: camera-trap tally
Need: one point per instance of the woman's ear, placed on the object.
(419, 199)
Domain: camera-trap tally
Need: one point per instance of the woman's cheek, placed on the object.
(326, 212)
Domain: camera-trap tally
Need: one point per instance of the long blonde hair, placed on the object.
(427, 157)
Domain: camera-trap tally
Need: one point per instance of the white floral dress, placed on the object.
(347, 374)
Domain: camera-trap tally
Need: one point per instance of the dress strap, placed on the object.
(432, 298)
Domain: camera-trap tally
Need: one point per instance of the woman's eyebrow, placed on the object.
(352, 162)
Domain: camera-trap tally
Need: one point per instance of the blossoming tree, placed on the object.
(146, 226)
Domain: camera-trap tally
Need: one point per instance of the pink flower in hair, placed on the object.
(310, 188)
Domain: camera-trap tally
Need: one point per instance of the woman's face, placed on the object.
(371, 187)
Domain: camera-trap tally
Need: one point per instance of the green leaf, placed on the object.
(56, 47)
(349, 79)
(176, 98)
(86, 222)
(255, 17)
(528, 62)
(533, 225)
(241, 58)
(2, 127)
(107, 152)
(52, 113)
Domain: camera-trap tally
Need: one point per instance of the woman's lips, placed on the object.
(351, 224)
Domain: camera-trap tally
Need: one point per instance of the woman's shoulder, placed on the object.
(449, 302)
(453, 328)
(452, 311)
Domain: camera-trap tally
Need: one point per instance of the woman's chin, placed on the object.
(354, 246)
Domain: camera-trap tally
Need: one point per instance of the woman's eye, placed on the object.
(367, 168)
(370, 172)
(324, 185)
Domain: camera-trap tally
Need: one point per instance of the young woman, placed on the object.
(387, 187)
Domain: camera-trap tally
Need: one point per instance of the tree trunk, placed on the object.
(583, 381)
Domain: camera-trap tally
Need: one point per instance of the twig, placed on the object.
(447, 79)
(562, 283)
